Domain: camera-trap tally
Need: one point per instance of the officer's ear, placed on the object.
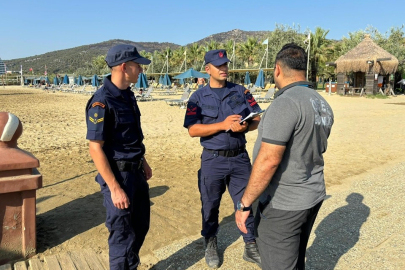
(207, 68)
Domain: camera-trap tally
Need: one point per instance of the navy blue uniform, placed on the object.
(224, 160)
(113, 116)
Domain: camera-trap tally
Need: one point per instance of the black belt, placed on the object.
(227, 153)
(129, 166)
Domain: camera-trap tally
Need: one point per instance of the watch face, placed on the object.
(239, 206)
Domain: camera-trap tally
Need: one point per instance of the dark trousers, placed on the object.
(283, 236)
(127, 227)
(217, 173)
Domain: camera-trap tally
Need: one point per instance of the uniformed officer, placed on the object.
(213, 114)
(115, 134)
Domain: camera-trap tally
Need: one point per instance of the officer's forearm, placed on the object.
(102, 165)
(204, 130)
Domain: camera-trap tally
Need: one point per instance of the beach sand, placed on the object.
(367, 134)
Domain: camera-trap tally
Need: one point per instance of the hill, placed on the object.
(69, 60)
(235, 34)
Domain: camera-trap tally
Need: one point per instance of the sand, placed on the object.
(367, 134)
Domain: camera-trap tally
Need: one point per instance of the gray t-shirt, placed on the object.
(300, 119)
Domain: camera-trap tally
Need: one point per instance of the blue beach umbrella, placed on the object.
(55, 81)
(47, 80)
(260, 79)
(66, 79)
(79, 80)
(160, 79)
(142, 81)
(166, 80)
(94, 81)
(191, 73)
(247, 78)
(181, 81)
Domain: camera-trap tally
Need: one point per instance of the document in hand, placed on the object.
(250, 116)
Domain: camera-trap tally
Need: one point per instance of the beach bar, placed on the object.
(367, 66)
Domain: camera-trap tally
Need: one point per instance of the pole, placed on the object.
(309, 49)
(233, 54)
(267, 53)
(330, 86)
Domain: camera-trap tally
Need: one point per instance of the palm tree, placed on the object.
(195, 55)
(318, 52)
(247, 50)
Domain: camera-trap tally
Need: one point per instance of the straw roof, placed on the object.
(356, 59)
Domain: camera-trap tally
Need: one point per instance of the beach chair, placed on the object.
(79, 90)
(268, 97)
(183, 99)
(146, 96)
(171, 91)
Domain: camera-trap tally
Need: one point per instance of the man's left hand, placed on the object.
(240, 219)
(147, 170)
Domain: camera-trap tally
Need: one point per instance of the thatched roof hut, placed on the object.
(367, 57)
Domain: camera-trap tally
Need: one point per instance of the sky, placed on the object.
(35, 27)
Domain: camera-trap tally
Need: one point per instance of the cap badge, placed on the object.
(221, 54)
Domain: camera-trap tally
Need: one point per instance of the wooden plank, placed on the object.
(36, 264)
(6, 267)
(20, 266)
(66, 262)
(79, 260)
(52, 262)
(92, 260)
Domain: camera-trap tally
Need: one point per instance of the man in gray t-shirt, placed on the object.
(288, 165)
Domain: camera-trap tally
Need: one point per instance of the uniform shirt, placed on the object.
(113, 116)
(205, 107)
(300, 119)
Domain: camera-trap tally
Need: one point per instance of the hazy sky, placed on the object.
(35, 27)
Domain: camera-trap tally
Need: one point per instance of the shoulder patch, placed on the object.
(98, 104)
(246, 91)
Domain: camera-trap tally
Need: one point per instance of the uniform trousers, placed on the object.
(216, 173)
(127, 227)
(282, 236)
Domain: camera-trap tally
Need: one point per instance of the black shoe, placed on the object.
(251, 253)
(211, 252)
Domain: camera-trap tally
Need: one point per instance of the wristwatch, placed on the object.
(241, 207)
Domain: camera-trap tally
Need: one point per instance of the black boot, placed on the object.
(211, 252)
(251, 253)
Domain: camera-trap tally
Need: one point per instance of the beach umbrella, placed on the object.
(142, 81)
(260, 79)
(191, 73)
(79, 80)
(166, 80)
(181, 81)
(160, 79)
(47, 80)
(247, 78)
(55, 81)
(66, 79)
(94, 81)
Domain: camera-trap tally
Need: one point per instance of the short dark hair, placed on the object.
(292, 56)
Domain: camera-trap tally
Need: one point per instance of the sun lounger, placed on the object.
(183, 99)
(146, 96)
(268, 97)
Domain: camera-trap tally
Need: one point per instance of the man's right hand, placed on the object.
(230, 120)
(119, 198)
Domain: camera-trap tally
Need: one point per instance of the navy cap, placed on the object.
(122, 53)
(216, 57)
